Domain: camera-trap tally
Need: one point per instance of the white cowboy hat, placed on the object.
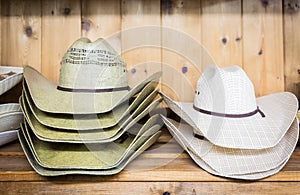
(8, 136)
(10, 116)
(10, 119)
(9, 77)
(93, 79)
(226, 111)
(235, 163)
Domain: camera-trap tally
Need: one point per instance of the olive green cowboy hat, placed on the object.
(57, 172)
(90, 156)
(90, 121)
(89, 136)
(93, 79)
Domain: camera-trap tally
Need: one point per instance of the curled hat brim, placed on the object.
(91, 136)
(235, 163)
(57, 172)
(92, 156)
(8, 136)
(90, 121)
(48, 98)
(254, 132)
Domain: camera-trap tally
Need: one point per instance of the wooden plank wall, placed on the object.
(262, 36)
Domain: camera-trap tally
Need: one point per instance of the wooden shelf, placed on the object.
(163, 168)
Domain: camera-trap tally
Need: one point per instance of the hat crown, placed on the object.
(225, 90)
(92, 65)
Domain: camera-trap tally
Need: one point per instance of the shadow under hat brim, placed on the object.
(91, 156)
(230, 161)
(47, 98)
(254, 132)
(201, 163)
(90, 121)
(11, 81)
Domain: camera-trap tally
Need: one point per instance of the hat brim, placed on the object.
(93, 136)
(8, 136)
(90, 121)
(10, 120)
(11, 81)
(47, 98)
(91, 156)
(228, 161)
(9, 107)
(254, 132)
(201, 163)
(57, 172)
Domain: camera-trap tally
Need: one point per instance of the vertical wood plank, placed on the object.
(263, 45)
(141, 46)
(61, 26)
(292, 46)
(102, 18)
(221, 32)
(181, 64)
(21, 33)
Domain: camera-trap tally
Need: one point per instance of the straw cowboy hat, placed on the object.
(9, 77)
(91, 121)
(234, 162)
(93, 79)
(88, 136)
(88, 156)
(56, 172)
(227, 113)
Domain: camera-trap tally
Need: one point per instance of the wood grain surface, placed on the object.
(164, 167)
(260, 36)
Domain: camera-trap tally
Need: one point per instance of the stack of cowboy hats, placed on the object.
(229, 132)
(10, 113)
(92, 122)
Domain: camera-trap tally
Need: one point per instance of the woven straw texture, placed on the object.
(252, 132)
(92, 121)
(235, 162)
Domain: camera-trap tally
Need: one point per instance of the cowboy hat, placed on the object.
(226, 111)
(201, 163)
(233, 162)
(87, 156)
(90, 121)
(9, 107)
(8, 136)
(9, 77)
(93, 79)
(89, 136)
(56, 172)
(10, 121)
